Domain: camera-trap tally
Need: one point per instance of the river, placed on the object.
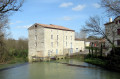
(58, 70)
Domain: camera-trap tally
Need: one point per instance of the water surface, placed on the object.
(56, 70)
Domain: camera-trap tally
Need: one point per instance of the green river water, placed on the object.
(57, 70)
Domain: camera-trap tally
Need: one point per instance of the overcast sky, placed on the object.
(68, 13)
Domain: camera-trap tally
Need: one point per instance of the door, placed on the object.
(76, 49)
(71, 50)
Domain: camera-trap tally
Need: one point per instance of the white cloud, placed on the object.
(67, 18)
(17, 22)
(47, 1)
(66, 4)
(96, 5)
(24, 27)
(79, 7)
(10, 23)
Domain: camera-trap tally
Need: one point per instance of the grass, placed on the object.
(13, 62)
(96, 61)
(17, 60)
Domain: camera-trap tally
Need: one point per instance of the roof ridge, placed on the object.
(55, 26)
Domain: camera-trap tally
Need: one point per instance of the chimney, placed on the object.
(110, 19)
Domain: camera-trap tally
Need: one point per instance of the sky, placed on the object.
(68, 13)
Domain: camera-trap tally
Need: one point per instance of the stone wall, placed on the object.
(36, 42)
(59, 40)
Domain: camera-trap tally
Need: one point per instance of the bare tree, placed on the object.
(9, 5)
(3, 25)
(81, 34)
(77, 35)
(95, 26)
(6, 6)
(111, 6)
(94, 37)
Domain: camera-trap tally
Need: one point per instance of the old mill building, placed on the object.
(51, 40)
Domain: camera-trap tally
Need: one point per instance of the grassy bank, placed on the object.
(78, 57)
(110, 62)
(96, 61)
(12, 63)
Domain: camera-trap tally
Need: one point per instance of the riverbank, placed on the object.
(12, 63)
(96, 61)
(104, 63)
(108, 63)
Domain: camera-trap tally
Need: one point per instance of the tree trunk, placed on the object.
(89, 51)
(101, 50)
(92, 49)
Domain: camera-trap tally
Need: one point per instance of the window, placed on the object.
(56, 51)
(76, 49)
(118, 22)
(35, 37)
(66, 37)
(66, 44)
(71, 37)
(51, 36)
(57, 44)
(57, 37)
(71, 45)
(118, 31)
(51, 44)
(118, 42)
(35, 44)
(35, 26)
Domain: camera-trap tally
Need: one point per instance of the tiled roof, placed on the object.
(52, 26)
(79, 39)
(117, 17)
(99, 40)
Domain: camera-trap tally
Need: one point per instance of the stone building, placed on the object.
(112, 29)
(51, 40)
(79, 45)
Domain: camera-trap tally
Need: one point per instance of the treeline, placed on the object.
(12, 49)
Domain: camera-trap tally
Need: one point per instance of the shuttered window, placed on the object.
(118, 42)
(118, 31)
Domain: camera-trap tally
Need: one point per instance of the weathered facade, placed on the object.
(112, 29)
(51, 40)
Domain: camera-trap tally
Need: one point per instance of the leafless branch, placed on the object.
(111, 6)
